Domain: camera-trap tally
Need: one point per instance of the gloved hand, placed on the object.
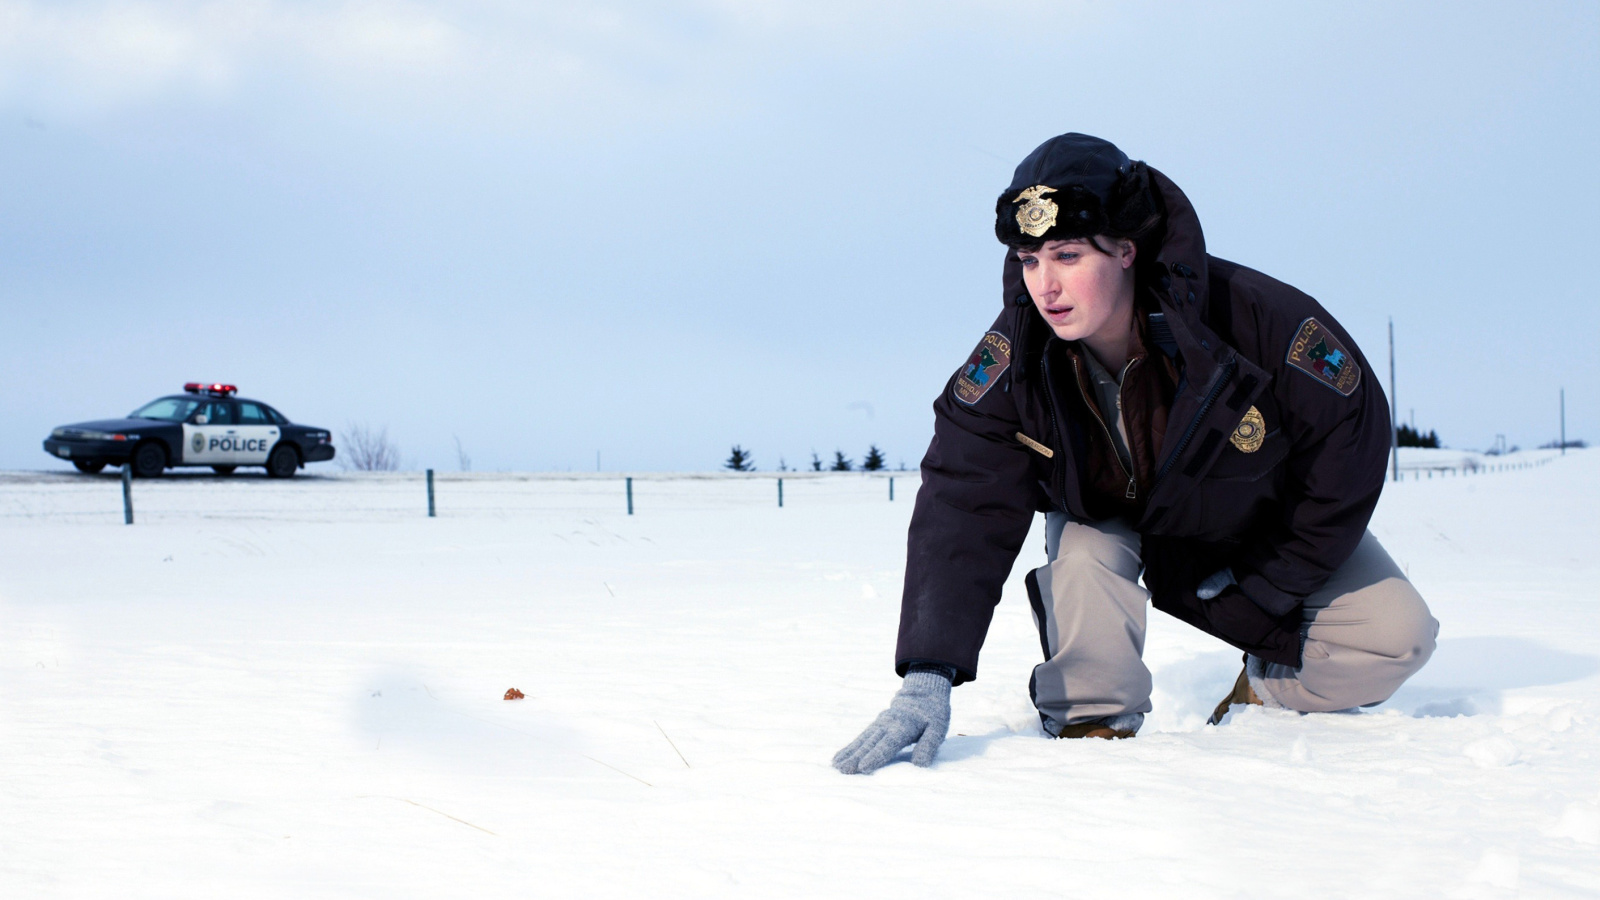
(1215, 583)
(919, 714)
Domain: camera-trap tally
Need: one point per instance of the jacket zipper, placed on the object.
(1205, 407)
(1133, 489)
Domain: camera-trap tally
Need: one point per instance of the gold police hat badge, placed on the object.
(1037, 214)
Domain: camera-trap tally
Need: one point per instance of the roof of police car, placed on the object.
(203, 395)
(208, 396)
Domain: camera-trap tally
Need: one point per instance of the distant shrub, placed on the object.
(874, 460)
(740, 460)
(368, 449)
(1410, 437)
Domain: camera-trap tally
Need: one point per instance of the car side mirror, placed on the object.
(201, 418)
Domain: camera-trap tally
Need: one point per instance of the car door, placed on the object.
(257, 434)
(208, 435)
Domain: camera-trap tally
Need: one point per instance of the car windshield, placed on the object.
(167, 409)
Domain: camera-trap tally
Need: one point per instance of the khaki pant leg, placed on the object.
(1090, 610)
(1367, 631)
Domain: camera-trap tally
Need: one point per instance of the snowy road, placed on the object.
(294, 690)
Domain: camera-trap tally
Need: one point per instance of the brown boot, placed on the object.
(1241, 693)
(1093, 729)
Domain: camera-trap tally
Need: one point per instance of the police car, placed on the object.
(206, 425)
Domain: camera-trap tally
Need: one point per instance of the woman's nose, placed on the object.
(1046, 283)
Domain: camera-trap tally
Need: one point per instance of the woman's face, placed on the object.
(1080, 291)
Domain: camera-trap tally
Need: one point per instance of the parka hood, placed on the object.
(1180, 269)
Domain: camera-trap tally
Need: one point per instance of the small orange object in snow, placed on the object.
(514, 694)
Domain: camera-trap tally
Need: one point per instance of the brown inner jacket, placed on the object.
(1148, 387)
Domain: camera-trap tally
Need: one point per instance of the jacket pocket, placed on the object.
(1236, 465)
(1242, 489)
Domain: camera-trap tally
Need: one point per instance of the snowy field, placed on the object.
(268, 689)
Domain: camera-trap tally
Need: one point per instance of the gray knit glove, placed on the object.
(1215, 583)
(919, 714)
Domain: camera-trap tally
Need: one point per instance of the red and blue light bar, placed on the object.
(215, 390)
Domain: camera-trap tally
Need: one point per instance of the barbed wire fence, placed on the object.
(388, 496)
(385, 496)
(1426, 470)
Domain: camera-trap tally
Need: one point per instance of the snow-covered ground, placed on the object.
(268, 689)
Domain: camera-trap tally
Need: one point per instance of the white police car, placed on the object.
(204, 426)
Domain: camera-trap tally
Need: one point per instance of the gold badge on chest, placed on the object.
(1251, 431)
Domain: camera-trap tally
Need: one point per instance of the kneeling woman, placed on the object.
(1174, 414)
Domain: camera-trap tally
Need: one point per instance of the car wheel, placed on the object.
(90, 466)
(223, 470)
(149, 460)
(283, 461)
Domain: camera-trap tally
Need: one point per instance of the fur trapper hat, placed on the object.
(1076, 186)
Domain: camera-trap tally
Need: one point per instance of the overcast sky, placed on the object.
(658, 229)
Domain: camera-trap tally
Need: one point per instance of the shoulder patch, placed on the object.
(1316, 352)
(983, 368)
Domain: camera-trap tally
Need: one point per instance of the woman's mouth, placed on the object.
(1057, 313)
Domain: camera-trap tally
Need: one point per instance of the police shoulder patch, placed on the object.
(1316, 352)
(984, 368)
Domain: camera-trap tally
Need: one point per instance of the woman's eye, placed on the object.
(1027, 261)
(1066, 256)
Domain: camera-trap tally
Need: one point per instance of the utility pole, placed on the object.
(1563, 421)
(1394, 428)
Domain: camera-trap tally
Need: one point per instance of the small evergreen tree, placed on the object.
(874, 460)
(816, 462)
(842, 463)
(1410, 437)
(741, 460)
